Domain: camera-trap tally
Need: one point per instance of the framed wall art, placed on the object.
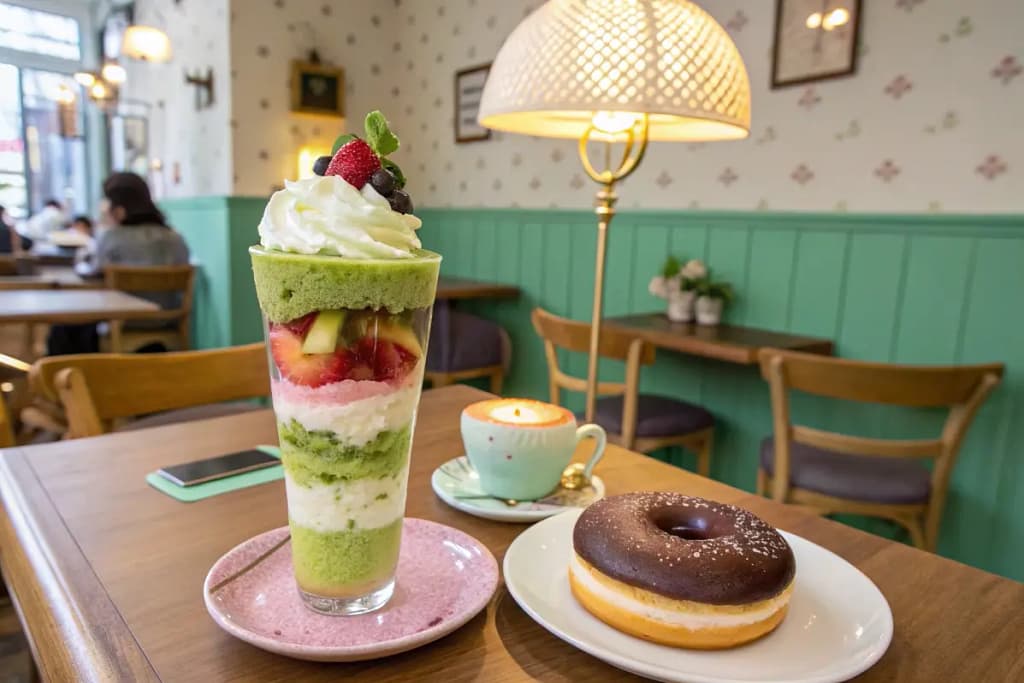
(318, 89)
(469, 88)
(814, 40)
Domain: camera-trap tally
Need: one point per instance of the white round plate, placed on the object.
(839, 623)
(458, 485)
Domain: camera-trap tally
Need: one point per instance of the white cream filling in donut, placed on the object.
(692, 621)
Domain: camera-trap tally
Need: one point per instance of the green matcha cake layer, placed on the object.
(345, 563)
(291, 285)
(317, 457)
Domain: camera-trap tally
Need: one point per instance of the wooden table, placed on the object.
(730, 343)
(50, 277)
(454, 288)
(71, 306)
(107, 573)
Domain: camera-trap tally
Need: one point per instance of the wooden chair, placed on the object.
(126, 337)
(641, 422)
(464, 346)
(838, 473)
(97, 390)
(6, 430)
(11, 370)
(8, 263)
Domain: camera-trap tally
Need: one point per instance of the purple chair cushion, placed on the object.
(190, 414)
(865, 478)
(460, 341)
(656, 416)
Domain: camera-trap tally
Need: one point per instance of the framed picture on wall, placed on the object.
(469, 88)
(814, 40)
(318, 89)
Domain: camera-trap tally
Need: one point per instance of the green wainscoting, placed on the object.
(219, 231)
(903, 288)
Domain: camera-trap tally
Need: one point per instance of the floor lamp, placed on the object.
(619, 73)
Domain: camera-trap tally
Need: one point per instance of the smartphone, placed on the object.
(201, 471)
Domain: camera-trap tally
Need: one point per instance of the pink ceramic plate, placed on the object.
(445, 577)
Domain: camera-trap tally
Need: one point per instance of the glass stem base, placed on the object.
(347, 607)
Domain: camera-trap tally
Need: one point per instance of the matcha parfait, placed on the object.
(346, 292)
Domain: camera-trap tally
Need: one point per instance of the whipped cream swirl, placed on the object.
(326, 215)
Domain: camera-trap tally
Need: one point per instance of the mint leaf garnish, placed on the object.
(379, 136)
(341, 142)
(395, 171)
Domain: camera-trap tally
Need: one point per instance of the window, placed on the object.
(29, 30)
(13, 193)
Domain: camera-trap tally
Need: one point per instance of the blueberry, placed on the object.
(321, 164)
(383, 181)
(401, 201)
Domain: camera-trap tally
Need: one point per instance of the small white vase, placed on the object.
(709, 311)
(680, 306)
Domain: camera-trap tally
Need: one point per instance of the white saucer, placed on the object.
(458, 485)
(839, 623)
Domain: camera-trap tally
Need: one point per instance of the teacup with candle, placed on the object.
(519, 447)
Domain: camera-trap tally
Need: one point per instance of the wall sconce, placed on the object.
(204, 85)
(101, 91)
(146, 44)
(112, 72)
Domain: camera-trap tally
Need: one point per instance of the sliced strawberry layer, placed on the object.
(382, 355)
(306, 370)
(300, 326)
(388, 360)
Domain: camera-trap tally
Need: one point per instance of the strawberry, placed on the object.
(307, 370)
(300, 326)
(356, 162)
(388, 360)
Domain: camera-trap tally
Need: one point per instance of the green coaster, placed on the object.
(190, 494)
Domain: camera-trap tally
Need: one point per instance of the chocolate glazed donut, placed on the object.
(685, 548)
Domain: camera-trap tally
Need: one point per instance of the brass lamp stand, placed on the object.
(635, 145)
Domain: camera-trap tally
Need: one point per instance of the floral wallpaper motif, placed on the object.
(927, 124)
(360, 36)
(193, 147)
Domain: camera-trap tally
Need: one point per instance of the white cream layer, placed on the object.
(326, 215)
(356, 423)
(691, 621)
(346, 505)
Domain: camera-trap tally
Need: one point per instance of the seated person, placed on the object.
(136, 234)
(10, 241)
(50, 219)
(82, 225)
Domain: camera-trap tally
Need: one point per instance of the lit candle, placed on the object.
(520, 412)
(519, 448)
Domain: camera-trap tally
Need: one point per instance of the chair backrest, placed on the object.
(20, 283)
(147, 279)
(572, 335)
(8, 264)
(96, 389)
(960, 388)
(6, 431)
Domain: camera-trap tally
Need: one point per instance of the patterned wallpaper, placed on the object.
(266, 35)
(193, 146)
(929, 122)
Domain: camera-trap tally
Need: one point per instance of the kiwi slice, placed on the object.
(323, 335)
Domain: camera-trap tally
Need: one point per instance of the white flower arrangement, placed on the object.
(677, 278)
(694, 270)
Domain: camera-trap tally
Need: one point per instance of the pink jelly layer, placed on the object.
(336, 394)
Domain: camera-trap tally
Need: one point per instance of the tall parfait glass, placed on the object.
(346, 295)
